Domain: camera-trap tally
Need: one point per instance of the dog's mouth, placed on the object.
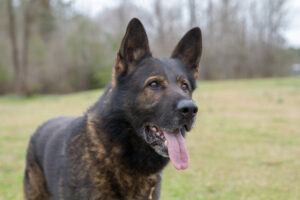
(169, 143)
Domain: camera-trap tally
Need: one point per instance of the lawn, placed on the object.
(245, 144)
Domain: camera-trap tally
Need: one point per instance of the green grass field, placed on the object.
(245, 144)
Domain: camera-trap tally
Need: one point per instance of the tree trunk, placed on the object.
(192, 12)
(26, 38)
(161, 37)
(13, 40)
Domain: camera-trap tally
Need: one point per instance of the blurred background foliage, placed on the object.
(47, 46)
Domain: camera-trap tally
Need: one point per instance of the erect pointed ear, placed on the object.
(189, 50)
(133, 49)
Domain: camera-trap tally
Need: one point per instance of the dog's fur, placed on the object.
(105, 153)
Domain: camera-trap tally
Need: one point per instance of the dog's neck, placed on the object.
(125, 165)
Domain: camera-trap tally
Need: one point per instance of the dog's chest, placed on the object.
(101, 173)
(119, 185)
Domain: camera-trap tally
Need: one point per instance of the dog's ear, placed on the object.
(189, 50)
(134, 48)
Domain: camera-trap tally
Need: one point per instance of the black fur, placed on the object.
(105, 154)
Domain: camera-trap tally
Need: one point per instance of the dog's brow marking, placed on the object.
(159, 78)
(181, 80)
(150, 98)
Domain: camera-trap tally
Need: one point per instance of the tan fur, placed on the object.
(181, 80)
(34, 183)
(117, 70)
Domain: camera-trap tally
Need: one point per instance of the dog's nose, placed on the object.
(187, 108)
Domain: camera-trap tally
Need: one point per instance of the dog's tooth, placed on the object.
(166, 142)
(153, 128)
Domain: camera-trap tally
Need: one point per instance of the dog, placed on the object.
(119, 147)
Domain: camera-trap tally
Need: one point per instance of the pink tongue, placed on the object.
(177, 149)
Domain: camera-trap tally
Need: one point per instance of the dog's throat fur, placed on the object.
(134, 152)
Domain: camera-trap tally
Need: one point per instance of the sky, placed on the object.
(291, 33)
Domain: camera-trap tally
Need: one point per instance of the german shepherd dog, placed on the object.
(119, 148)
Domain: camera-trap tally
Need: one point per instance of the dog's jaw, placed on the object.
(168, 143)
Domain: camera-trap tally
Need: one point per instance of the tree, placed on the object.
(32, 10)
(192, 11)
(15, 50)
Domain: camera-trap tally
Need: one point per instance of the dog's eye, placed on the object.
(185, 87)
(154, 85)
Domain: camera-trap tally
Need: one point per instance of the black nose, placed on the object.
(187, 108)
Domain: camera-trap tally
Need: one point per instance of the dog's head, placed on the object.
(157, 93)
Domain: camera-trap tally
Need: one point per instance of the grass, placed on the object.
(245, 144)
